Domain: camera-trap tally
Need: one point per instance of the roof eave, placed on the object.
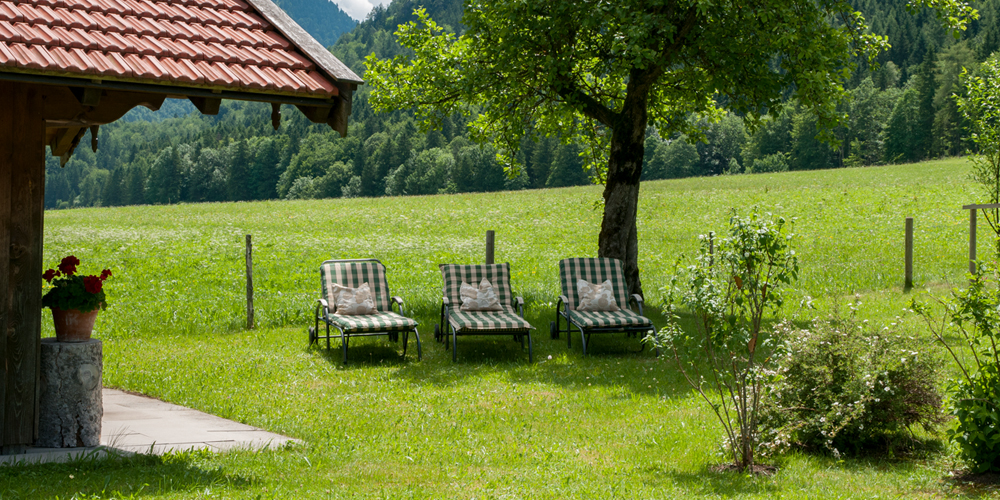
(305, 42)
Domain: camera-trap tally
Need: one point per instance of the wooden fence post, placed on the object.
(489, 246)
(972, 241)
(249, 284)
(908, 280)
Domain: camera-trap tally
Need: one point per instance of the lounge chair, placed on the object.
(588, 322)
(456, 321)
(353, 274)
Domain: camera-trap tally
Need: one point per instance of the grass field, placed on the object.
(612, 425)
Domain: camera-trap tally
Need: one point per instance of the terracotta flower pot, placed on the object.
(73, 325)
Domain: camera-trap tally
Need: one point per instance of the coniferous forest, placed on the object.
(901, 111)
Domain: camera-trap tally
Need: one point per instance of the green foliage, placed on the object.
(67, 289)
(969, 327)
(981, 108)
(777, 162)
(670, 159)
(729, 291)
(848, 387)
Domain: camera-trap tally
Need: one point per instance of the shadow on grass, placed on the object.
(711, 481)
(125, 476)
(367, 352)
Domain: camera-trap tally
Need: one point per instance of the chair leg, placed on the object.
(343, 343)
(454, 345)
(406, 342)
(583, 340)
(419, 349)
(531, 357)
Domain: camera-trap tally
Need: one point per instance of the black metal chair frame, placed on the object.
(323, 313)
(451, 331)
(564, 312)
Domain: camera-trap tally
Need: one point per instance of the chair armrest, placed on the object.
(564, 300)
(638, 301)
(399, 301)
(519, 302)
(444, 300)
(322, 306)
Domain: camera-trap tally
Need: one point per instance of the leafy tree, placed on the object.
(949, 126)
(567, 168)
(672, 159)
(902, 137)
(112, 195)
(808, 151)
(134, 192)
(600, 73)
(981, 107)
(239, 172)
(723, 141)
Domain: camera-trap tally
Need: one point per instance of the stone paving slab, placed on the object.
(138, 424)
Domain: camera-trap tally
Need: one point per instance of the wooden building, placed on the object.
(68, 66)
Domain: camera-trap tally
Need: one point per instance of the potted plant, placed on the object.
(74, 299)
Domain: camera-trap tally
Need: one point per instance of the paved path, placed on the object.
(138, 424)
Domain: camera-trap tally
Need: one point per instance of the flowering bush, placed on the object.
(848, 388)
(74, 291)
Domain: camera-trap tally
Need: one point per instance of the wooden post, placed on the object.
(22, 156)
(972, 241)
(489, 246)
(249, 284)
(908, 280)
(6, 171)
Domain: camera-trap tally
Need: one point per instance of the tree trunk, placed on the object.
(618, 239)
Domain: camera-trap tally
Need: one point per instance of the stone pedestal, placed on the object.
(70, 405)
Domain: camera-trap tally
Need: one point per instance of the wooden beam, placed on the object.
(64, 142)
(87, 96)
(62, 109)
(24, 287)
(6, 169)
(316, 114)
(342, 110)
(207, 105)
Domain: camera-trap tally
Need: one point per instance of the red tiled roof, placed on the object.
(217, 44)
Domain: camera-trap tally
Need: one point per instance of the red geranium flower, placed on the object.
(68, 265)
(105, 274)
(51, 273)
(92, 284)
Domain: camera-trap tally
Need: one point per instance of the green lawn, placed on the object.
(612, 425)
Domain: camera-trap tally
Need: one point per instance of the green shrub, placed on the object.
(972, 317)
(848, 388)
(729, 291)
(777, 162)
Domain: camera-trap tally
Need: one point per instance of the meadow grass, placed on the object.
(614, 424)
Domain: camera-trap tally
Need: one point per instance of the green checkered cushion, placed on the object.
(595, 271)
(499, 321)
(352, 273)
(498, 274)
(603, 319)
(379, 322)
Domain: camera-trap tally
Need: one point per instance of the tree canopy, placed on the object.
(598, 73)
